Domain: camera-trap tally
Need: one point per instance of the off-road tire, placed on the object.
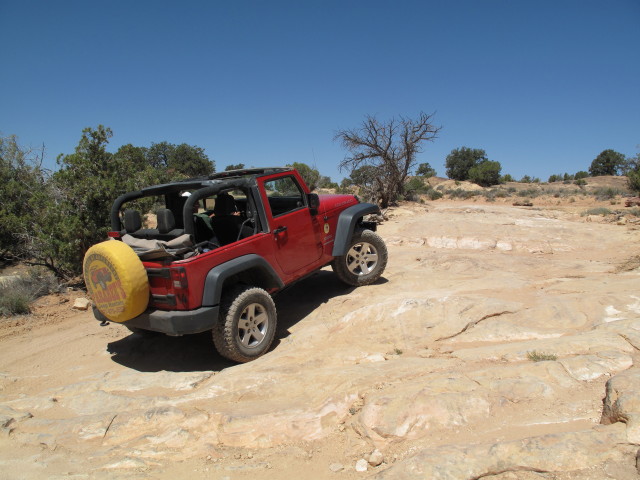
(365, 260)
(116, 280)
(246, 324)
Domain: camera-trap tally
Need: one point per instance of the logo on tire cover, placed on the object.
(104, 285)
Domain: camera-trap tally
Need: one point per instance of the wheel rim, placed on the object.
(253, 325)
(362, 258)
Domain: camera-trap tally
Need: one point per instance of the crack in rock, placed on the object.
(474, 323)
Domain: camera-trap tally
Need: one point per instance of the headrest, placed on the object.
(132, 221)
(225, 205)
(166, 220)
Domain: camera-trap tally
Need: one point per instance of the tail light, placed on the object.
(180, 286)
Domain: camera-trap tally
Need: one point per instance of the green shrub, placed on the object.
(529, 192)
(460, 193)
(633, 181)
(16, 295)
(597, 211)
(433, 194)
(506, 178)
(607, 193)
(555, 178)
(485, 173)
(535, 356)
(15, 301)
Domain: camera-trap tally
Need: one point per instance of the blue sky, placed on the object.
(542, 86)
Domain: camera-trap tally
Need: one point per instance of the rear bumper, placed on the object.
(171, 323)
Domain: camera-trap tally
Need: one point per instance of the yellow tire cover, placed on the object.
(116, 280)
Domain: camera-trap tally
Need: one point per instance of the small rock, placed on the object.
(336, 467)
(376, 458)
(361, 465)
(81, 304)
(374, 358)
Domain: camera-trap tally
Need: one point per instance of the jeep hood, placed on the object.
(329, 203)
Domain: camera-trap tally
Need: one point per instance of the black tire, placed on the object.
(246, 324)
(365, 260)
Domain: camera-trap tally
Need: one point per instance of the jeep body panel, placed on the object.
(174, 322)
(347, 222)
(252, 269)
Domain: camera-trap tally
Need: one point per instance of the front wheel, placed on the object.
(365, 260)
(246, 325)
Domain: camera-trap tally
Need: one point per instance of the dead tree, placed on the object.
(390, 148)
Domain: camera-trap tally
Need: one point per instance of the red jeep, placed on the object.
(223, 245)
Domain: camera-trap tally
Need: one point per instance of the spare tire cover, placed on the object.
(116, 280)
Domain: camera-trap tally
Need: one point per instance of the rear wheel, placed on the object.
(365, 260)
(246, 324)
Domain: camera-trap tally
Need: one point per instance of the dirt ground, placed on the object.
(57, 351)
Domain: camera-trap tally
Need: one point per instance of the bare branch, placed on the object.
(391, 147)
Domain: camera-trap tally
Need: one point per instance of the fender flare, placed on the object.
(347, 222)
(265, 276)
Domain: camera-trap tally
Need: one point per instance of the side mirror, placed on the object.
(313, 200)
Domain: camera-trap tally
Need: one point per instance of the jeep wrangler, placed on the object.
(223, 246)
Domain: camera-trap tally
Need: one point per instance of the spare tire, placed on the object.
(116, 280)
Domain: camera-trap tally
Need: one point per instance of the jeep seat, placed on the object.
(167, 224)
(133, 225)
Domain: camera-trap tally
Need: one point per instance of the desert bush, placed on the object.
(607, 193)
(414, 187)
(535, 356)
(529, 192)
(597, 211)
(633, 211)
(555, 178)
(490, 195)
(633, 181)
(507, 178)
(17, 294)
(433, 194)
(460, 193)
(14, 301)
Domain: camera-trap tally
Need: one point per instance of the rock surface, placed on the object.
(432, 368)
